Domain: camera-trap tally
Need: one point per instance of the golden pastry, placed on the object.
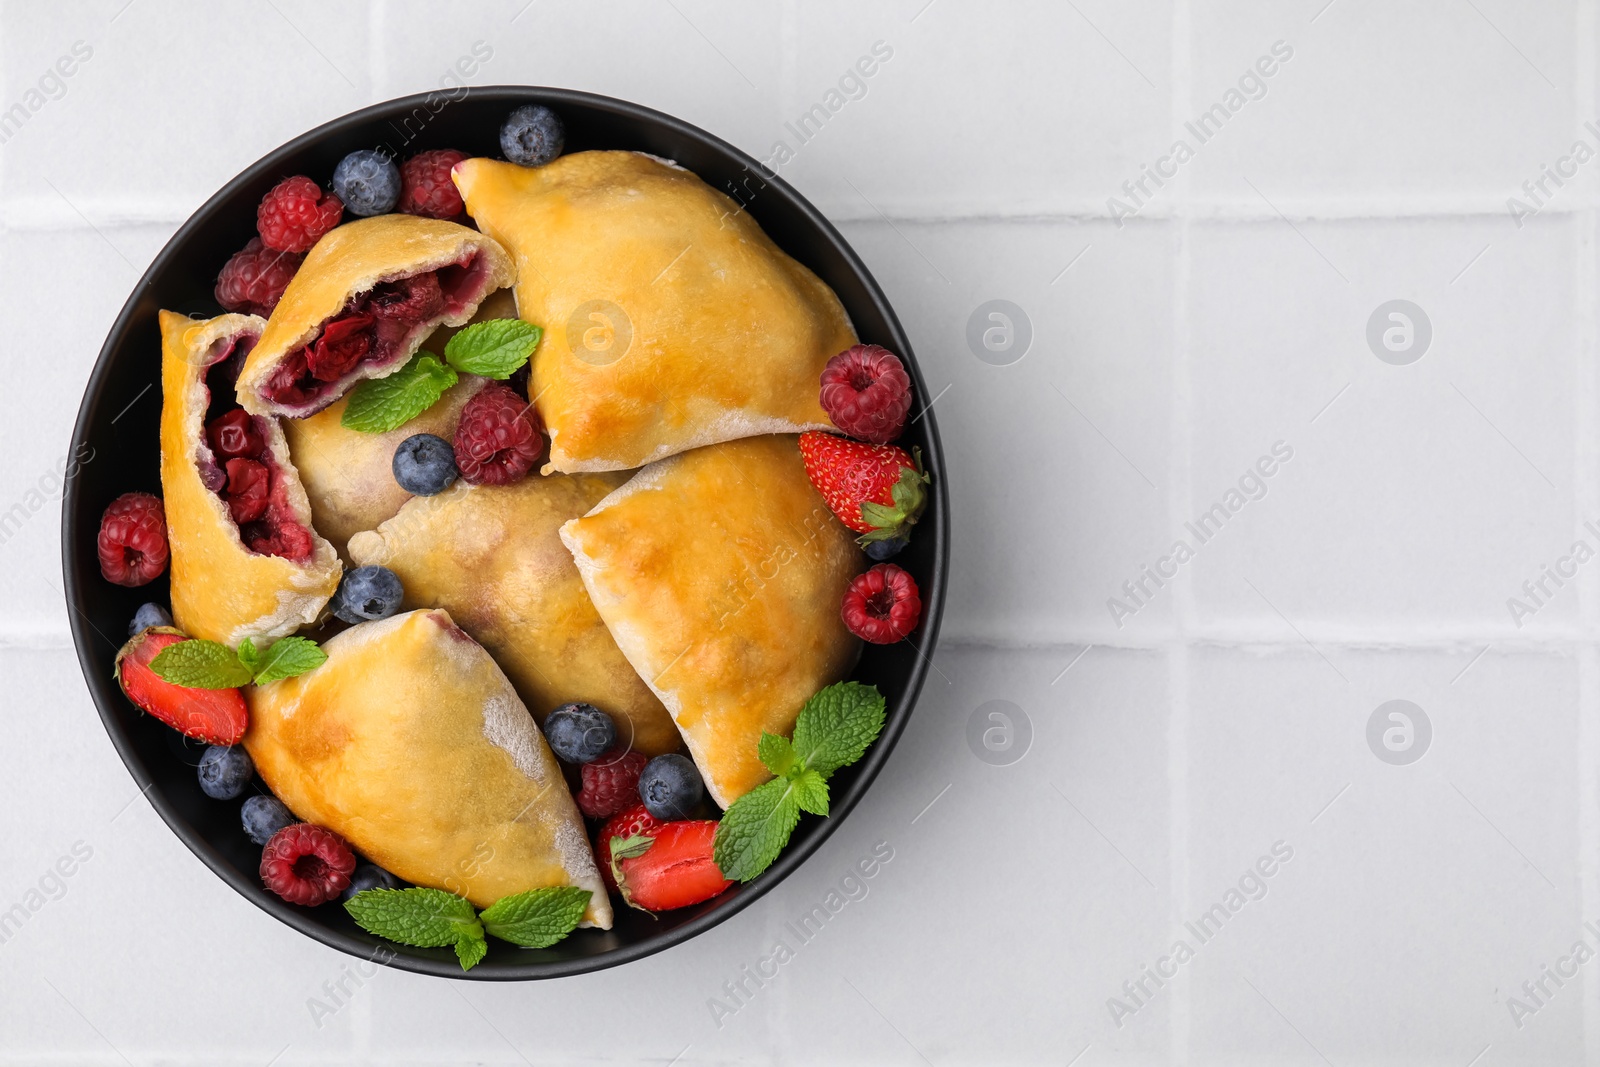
(361, 304)
(411, 743)
(720, 573)
(492, 556)
(671, 320)
(245, 560)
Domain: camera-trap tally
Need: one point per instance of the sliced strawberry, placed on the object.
(631, 822)
(674, 870)
(217, 716)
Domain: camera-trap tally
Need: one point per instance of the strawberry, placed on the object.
(217, 716)
(632, 822)
(876, 490)
(672, 869)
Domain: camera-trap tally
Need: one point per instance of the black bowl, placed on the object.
(119, 417)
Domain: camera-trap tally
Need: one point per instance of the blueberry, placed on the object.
(579, 733)
(369, 876)
(224, 771)
(424, 464)
(368, 593)
(264, 816)
(147, 616)
(532, 136)
(882, 550)
(670, 787)
(367, 181)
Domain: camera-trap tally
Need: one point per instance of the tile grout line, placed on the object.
(1180, 494)
(1587, 505)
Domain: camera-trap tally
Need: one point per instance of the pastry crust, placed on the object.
(671, 320)
(720, 572)
(221, 590)
(351, 259)
(492, 556)
(349, 475)
(411, 743)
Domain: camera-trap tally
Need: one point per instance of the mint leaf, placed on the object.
(286, 658)
(471, 950)
(495, 348)
(810, 792)
(200, 665)
(836, 726)
(778, 754)
(248, 655)
(426, 918)
(754, 830)
(378, 405)
(538, 918)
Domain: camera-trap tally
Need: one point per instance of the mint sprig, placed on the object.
(433, 918)
(379, 405)
(494, 348)
(832, 731)
(212, 665)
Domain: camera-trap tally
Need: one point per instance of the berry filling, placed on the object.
(237, 464)
(375, 329)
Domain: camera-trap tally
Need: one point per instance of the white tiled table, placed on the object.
(1168, 754)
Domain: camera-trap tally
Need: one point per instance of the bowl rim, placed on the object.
(442, 964)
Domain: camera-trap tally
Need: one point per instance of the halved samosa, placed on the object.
(492, 556)
(349, 475)
(245, 560)
(361, 304)
(411, 743)
(720, 573)
(671, 320)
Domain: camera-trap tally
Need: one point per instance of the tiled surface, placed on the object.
(1179, 733)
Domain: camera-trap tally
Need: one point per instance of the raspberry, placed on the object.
(247, 490)
(633, 821)
(306, 864)
(342, 344)
(296, 213)
(610, 783)
(254, 279)
(883, 605)
(867, 393)
(497, 441)
(234, 434)
(425, 185)
(133, 540)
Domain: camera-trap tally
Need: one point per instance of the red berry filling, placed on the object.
(132, 544)
(239, 466)
(883, 605)
(306, 864)
(376, 329)
(234, 434)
